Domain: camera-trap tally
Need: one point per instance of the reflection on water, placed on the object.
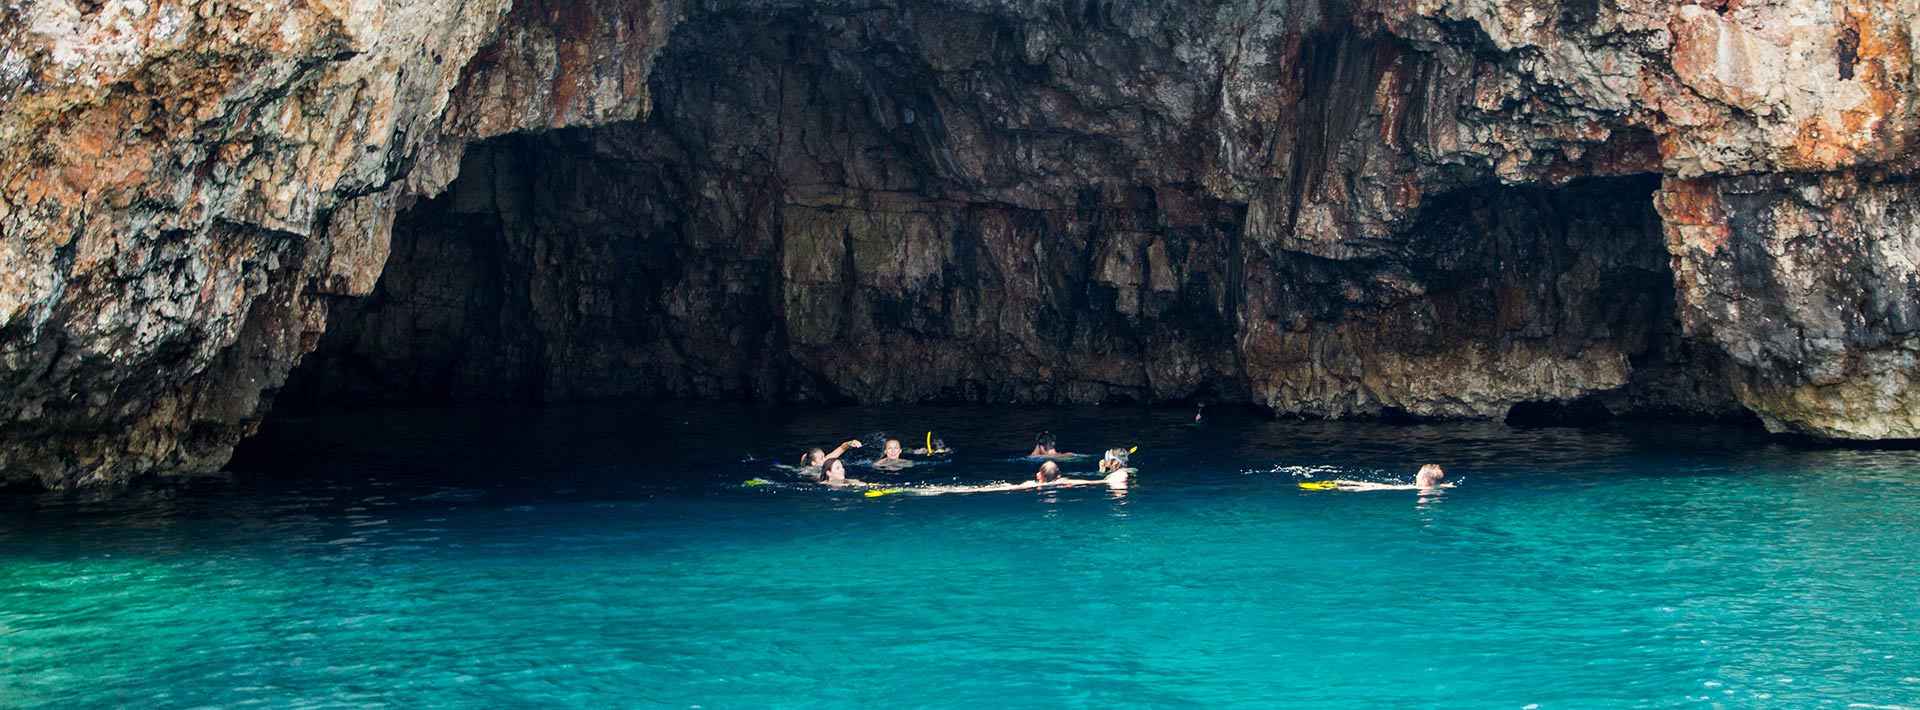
(610, 555)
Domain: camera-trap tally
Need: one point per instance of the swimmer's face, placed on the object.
(893, 448)
(816, 457)
(834, 469)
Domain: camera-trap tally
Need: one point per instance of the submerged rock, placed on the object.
(1333, 208)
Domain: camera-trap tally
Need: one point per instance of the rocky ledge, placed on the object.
(1442, 208)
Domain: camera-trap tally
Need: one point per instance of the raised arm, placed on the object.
(842, 448)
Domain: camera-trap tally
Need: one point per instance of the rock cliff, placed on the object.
(1430, 208)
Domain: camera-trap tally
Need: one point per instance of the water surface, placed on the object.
(608, 556)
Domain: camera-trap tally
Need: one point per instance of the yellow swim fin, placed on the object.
(883, 491)
(1319, 485)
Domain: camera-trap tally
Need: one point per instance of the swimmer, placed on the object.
(1047, 477)
(1430, 478)
(1043, 449)
(890, 458)
(834, 473)
(1200, 413)
(1114, 460)
(934, 447)
(815, 458)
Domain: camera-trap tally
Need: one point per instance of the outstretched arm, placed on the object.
(841, 449)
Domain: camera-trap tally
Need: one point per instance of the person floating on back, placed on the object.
(1047, 477)
(1043, 448)
(1430, 478)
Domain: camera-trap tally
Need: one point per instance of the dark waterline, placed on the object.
(608, 555)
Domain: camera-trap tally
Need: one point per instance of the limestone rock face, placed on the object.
(1438, 208)
(1809, 283)
(181, 179)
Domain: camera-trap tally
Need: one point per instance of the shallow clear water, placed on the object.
(608, 556)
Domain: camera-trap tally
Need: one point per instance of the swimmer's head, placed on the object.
(833, 470)
(1045, 442)
(893, 448)
(1429, 476)
(814, 457)
(939, 445)
(1116, 454)
(1049, 472)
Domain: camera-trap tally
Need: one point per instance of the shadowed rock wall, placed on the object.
(825, 209)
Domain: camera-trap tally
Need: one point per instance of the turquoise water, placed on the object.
(607, 556)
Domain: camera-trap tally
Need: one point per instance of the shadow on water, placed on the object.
(502, 456)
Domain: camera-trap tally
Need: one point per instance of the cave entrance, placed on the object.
(817, 208)
(1573, 282)
(836, 208)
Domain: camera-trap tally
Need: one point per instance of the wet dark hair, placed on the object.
(1045, 440)
(806, 459)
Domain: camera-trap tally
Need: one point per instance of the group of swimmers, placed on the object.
(827, 468)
